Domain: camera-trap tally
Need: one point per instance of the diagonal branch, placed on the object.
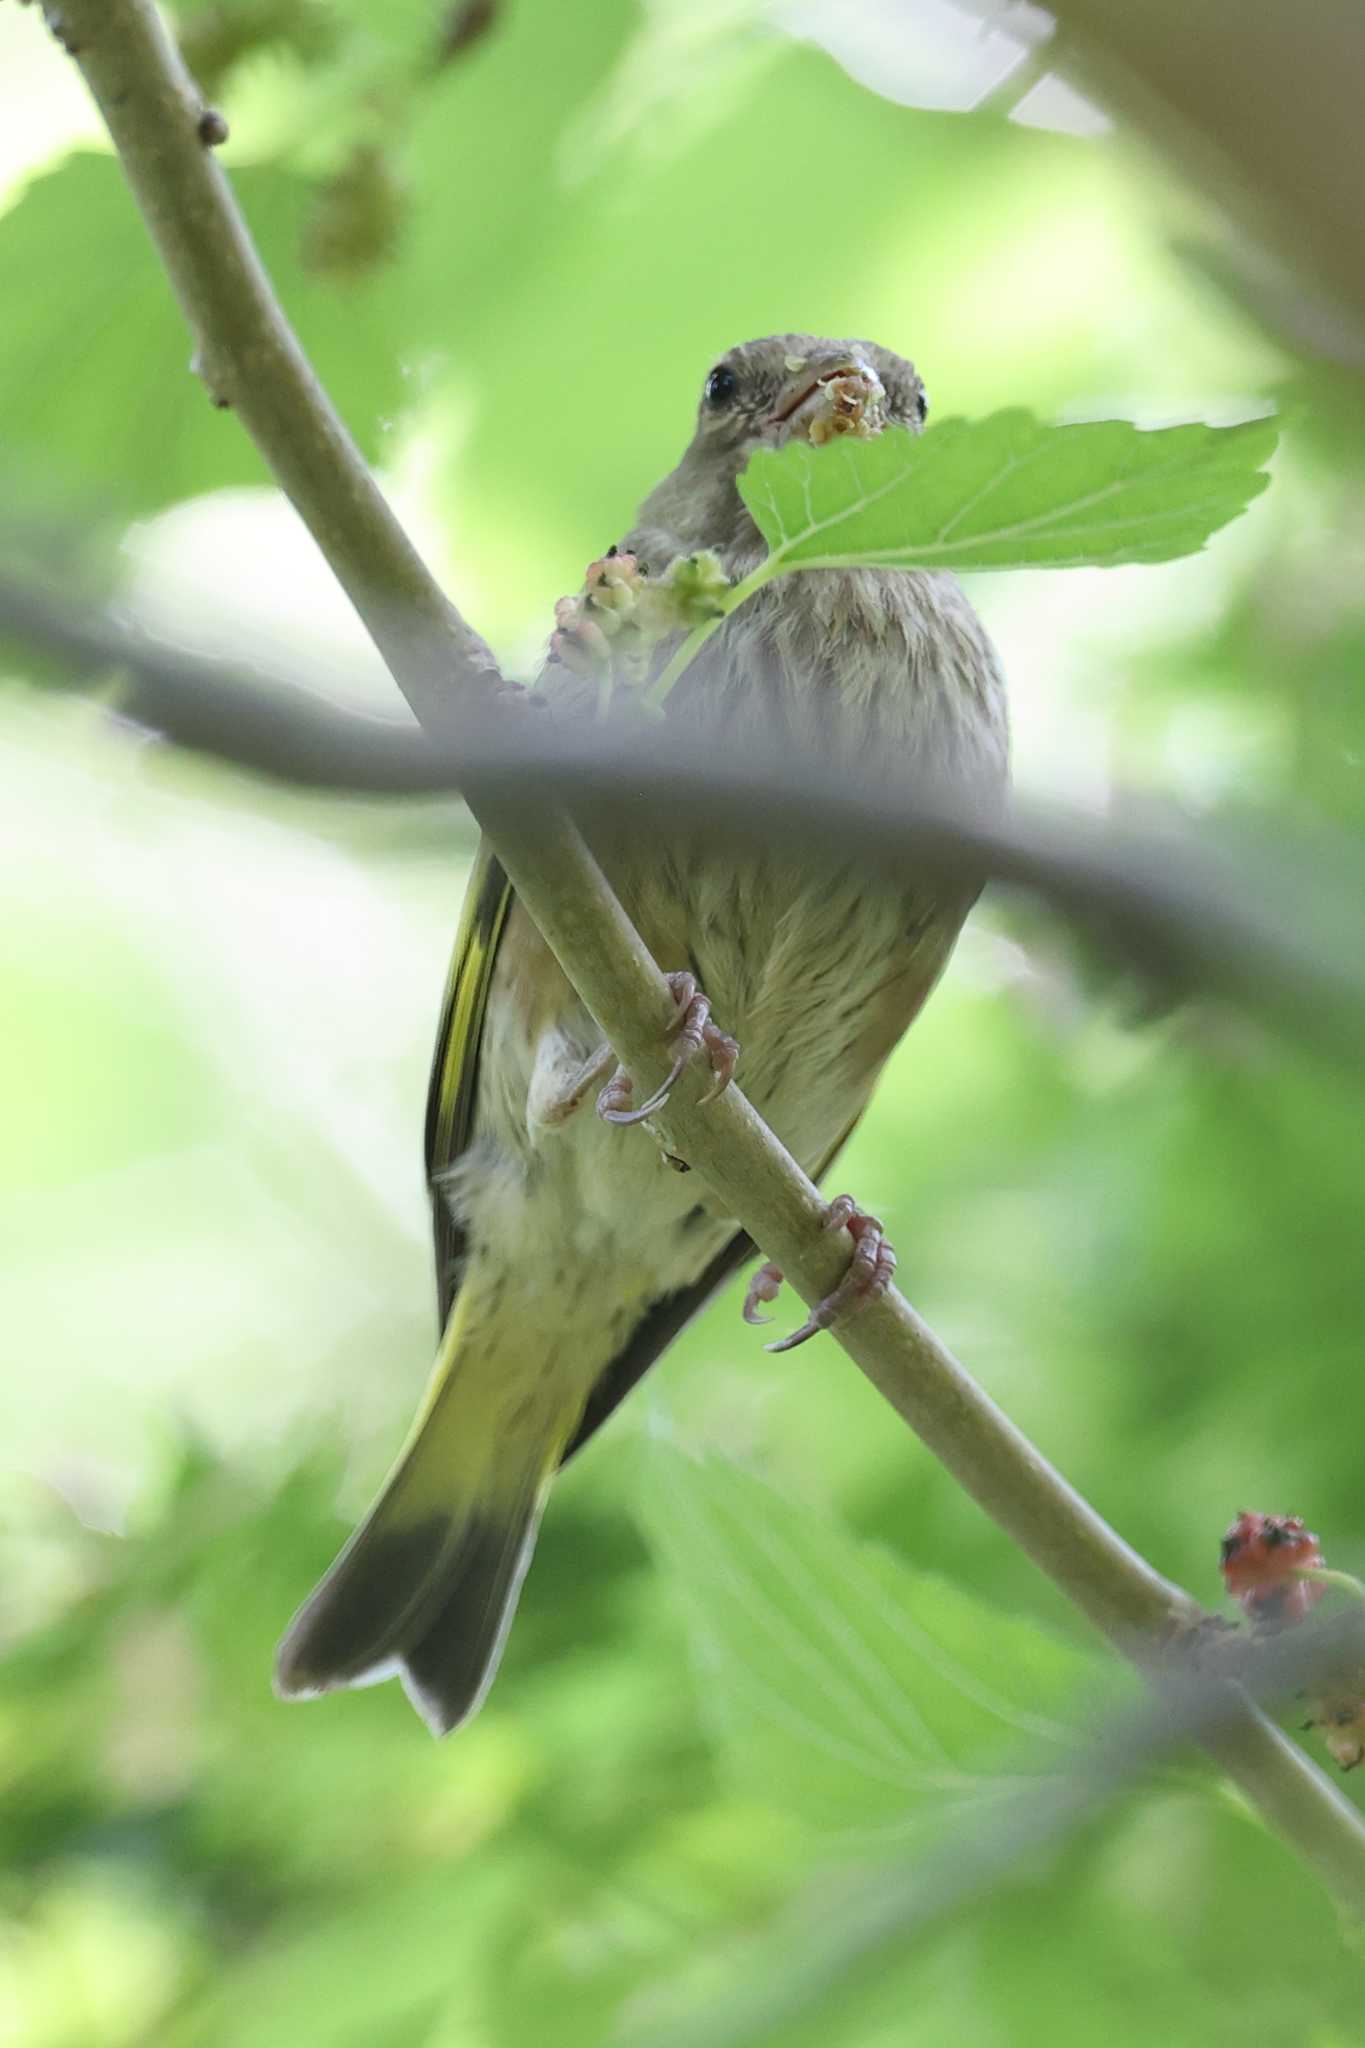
(251, 359)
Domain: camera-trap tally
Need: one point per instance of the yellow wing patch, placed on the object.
(455, 1062)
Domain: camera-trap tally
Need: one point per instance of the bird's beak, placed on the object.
(828, 395)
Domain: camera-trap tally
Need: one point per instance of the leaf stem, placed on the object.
(1341, 1582)
(691, 647)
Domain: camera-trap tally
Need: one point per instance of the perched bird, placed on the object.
(568, 1254)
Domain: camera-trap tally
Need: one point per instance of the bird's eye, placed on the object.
(922, 404)
(721, 385)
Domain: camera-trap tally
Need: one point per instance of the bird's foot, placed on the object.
(870, 1272)
(693, 1029)
(765, 1286)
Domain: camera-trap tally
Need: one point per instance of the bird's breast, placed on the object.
(816, 965)
(852, 668)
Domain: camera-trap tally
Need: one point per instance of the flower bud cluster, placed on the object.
(610, 632)
(1273, 1566)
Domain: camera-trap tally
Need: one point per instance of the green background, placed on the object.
(767, 1646)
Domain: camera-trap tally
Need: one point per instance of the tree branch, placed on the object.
(231, 710)
(251, 358)
(1207, 914)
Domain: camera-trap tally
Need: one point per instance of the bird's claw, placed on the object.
(870, 1272)
(693, 1029)
(765, 1285)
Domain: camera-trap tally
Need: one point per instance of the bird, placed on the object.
(568, 1252)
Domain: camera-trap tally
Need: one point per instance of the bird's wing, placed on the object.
(663, 1319)
(452, 1089)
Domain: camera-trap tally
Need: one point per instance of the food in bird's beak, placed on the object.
(841, 408)
(846, 398)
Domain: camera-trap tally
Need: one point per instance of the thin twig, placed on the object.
(251, 358)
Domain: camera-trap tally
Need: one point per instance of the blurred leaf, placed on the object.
(215, 35)
(846, 1688)
(96, 392)
(404, 28)
(1175, 1919)
(1008, 492)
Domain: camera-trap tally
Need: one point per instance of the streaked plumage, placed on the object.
(567, 1252)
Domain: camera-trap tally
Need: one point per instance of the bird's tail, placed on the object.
(427, 1586)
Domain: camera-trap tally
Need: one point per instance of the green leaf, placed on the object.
(1006, 492)
(846, 1688)
(98, 405)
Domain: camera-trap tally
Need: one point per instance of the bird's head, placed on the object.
(763, 394)
(801, 387)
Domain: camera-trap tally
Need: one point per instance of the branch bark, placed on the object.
(251, 358)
